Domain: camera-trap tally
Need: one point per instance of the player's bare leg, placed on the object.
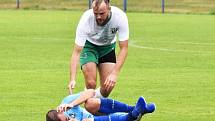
(104, 71)
(89, 71)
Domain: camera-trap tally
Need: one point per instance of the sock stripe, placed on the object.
(113, 104)
(109, 118)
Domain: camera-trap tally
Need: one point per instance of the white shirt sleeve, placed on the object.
(81, 31)
(123, 33)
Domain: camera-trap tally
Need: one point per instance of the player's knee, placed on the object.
(91, 84)
(92, 105)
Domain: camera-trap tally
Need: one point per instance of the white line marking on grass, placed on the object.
(44, 38)
(132, 43)
(192, 43)
(169, 50)
(37, 38)
(52, 38)
(195, 43)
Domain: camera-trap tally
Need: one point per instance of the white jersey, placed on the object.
(102, 35)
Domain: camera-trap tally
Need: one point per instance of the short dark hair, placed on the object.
(100, 1)
(52, 115)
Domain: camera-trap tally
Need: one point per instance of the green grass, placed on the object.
(170, 62)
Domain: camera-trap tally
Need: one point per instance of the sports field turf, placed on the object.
(171, 62)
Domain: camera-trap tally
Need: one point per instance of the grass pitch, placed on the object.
(170, 62)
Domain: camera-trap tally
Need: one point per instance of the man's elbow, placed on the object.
(123, 44)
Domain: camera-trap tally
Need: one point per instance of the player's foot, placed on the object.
(149, 109)
(139, 108)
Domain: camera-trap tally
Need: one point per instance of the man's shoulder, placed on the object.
(116, 9)
(88, 13)
(117, 12)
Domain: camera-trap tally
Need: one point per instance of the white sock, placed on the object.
(98, 93)
(85, 89)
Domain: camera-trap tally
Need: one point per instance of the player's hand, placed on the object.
(64, 107)
(71, 86)
(110, 82)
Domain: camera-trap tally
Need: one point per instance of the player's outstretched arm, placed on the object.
(89, 93)
(73, 67)
(84, 96)
(111, 79)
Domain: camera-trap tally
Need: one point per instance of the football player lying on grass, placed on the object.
(98, 109)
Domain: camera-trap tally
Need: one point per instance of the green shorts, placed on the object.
(92, 53)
